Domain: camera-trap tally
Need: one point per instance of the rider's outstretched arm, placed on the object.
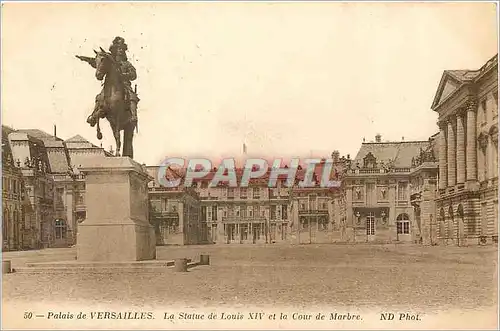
(87, 59)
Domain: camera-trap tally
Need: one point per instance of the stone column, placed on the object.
(443, 171)
(460, 149)
(452, 179)
(471, 141)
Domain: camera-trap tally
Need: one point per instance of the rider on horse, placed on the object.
(118, 52)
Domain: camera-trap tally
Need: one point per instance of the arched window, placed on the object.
(403, 224)
(5, 225)
(450, 222)
(60, 226)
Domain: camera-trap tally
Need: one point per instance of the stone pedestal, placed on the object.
(204, 259)
(6, 267)
(180, 265)
(117, 225)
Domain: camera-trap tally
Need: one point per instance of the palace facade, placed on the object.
(13, 198)
(467, 200)
(41, 174)
(440, 191)
(257, 213)
(378, 188)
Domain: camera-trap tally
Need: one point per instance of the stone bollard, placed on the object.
(204, 259)
(6, 267)
(180, 265)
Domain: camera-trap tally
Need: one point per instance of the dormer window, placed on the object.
(369, 161)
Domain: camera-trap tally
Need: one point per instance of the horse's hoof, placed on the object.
(91, 120)
(99, 135)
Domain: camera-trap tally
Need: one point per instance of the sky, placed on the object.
(286, 79)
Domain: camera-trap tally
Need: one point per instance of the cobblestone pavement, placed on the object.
(297, 276)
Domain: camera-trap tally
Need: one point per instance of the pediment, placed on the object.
(446, 87)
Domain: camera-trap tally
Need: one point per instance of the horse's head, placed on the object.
(103, 63)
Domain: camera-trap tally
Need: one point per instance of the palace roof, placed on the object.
(399, 154)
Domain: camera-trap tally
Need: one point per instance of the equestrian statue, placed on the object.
(117, 101)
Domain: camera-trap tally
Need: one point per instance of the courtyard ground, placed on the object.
(413, 277)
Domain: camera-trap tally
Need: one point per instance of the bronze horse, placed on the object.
(113, 104)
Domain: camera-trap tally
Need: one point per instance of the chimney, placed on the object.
(378, 138)
(335, 156)
(403, 138)
(55, 131)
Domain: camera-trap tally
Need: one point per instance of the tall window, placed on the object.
(402, 191)
(284, 211)
(214, 213)
(370, 188)
(230, 193)
(60, 195)
(403, 224)
(5, 224)
(312, 202)
(243, 193)
(256, 192)
(203, 213)
(256, 211)
(273, 212)
(370, 224)
(60, 229)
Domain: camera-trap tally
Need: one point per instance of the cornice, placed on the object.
(469, 103)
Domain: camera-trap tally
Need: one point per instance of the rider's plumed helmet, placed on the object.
(118, 42)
